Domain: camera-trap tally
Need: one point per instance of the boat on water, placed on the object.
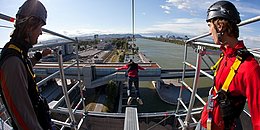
(71, 113)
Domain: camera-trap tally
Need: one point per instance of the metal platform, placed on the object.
(131, 119)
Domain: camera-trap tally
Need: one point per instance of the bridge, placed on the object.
(94, 75)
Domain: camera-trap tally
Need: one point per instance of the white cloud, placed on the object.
(251, 41)
(249, 35)
(194, 5)
(248, 10)
(167, 12)
(252, 38)
(165, 7)
(180, 4)
(82, 31)
(191, 6)
(180, 26)
(184, 20)
(183, 6)
(186, 26)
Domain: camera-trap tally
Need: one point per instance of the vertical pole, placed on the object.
(77, 57)
(64, 88)
(80, 83)
(200, 51)
(133, 21)
(183, 74)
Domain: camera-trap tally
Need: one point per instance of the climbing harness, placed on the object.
(39, 103)
(231, 106)
(12, 46)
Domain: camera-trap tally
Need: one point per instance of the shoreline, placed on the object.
(169, 89)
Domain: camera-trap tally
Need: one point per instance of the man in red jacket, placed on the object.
(231, 92)
(132, 73)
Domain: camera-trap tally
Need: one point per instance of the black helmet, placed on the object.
(223, 9)
(33, 8)
(130, 61)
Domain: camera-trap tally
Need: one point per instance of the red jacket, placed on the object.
(131, 72)
(246, 82)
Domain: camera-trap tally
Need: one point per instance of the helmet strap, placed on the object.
(21, 21)
(220, 36)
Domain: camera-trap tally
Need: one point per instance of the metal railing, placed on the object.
(72, 124)
(199, 45)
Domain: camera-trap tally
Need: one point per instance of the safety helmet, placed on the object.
(33, 8)
(223, 9)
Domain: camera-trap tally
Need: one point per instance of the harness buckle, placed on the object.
(210, 103)
(210, 109)
(222, 97)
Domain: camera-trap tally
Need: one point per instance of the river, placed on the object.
(167, 55)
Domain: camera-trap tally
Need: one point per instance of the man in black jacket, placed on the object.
(29, 111)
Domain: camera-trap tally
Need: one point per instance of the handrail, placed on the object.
(57, 34)
(115, 115)
(43, 81)
(245, 22)
(200, 99)
(63, 97)
(11, 19)
(195, 86)
(7, 18)
(206, 44)
(64, 89)
(43, 45)
(198, 37)
(248, 21)
(201, 71)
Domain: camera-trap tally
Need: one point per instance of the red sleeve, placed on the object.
(123, 68)
(141, 68)
(252, 82)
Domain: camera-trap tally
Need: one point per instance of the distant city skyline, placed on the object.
(152, 17)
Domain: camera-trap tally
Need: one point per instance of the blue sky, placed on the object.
(182, 17)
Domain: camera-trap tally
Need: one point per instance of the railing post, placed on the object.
(80, 83)
(64, 88)
(183, 74)
(200, 52)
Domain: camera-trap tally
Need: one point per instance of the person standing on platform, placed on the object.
(132, 73)
(237, 73)
(18, 88)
